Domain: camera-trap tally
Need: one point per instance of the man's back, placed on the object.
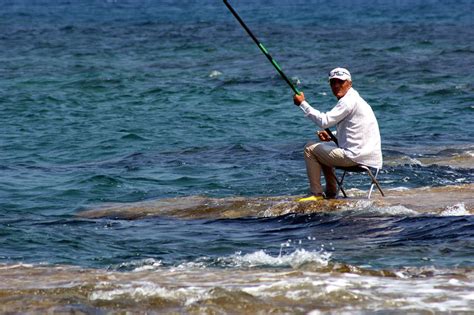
(358, 133)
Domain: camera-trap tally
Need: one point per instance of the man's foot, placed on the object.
(330, 196)
(311, 198)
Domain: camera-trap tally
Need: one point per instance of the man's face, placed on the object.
(339, 87)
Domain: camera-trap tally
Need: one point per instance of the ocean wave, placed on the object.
(214, 74)
(458, 209)
(133, 137)
(143, 291)
(256, 291)
(138, 265)
(103, 180)
(452, 158)
(260, 258)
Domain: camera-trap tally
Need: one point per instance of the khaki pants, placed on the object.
(324, 156)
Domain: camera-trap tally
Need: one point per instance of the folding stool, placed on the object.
(358, 169)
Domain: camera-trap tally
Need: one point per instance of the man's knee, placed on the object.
(309, 147)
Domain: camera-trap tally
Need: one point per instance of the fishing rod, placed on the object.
(270, 58)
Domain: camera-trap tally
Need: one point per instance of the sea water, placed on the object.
(150, 156)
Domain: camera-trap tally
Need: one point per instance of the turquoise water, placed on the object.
(130, 101)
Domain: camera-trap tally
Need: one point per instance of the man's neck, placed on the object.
(345, 93)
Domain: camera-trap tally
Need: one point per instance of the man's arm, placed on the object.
(323, 120)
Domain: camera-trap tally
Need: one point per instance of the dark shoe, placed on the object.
(330, 196)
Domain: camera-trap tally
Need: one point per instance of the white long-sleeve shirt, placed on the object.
(357, 128)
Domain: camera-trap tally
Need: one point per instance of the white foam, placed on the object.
(189, 266)
(152, 266)
(271, 211)
(400, 188)
(20, 265)
(295, 259)
(142, 290)
(296, 80)
(458, 209)
(395, 210)
(362, 292)
(368, 206)
(406, 160)
(336, 285)
(141, 265)
(469, 296)
(215, 74)
(454, 282)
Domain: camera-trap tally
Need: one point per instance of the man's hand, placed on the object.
(298, 98)
(323, 136)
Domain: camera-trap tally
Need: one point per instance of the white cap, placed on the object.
(340, 73)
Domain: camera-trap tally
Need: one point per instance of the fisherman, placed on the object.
(357, 134)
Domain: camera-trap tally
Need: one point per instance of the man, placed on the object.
(357, 133)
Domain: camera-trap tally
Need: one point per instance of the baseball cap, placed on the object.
(340, 73)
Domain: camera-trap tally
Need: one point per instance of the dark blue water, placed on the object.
(370, 241)
(125, 101)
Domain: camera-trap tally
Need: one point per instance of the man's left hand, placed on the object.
(323, 135)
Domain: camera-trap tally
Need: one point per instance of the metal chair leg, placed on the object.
(371, 189)
(339, 184)
(374, 181)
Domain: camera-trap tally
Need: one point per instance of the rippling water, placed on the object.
(150, 157)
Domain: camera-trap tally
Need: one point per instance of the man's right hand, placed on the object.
(298, 99)
(323, 136)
